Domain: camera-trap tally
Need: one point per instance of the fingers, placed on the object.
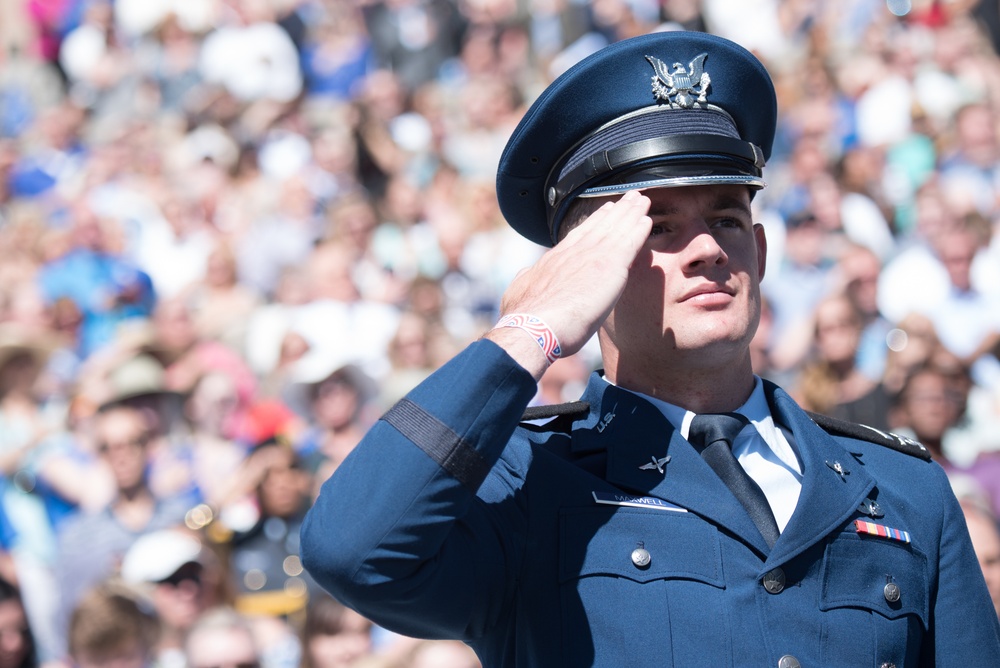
(575, 285)
(622, 220)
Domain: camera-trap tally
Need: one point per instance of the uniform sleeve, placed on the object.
(964, 630)
(398, 533)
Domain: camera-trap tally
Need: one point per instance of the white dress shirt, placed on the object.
(767, 452)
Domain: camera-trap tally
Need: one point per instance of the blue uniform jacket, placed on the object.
(452, 520)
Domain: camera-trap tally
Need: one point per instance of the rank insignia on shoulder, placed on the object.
(863, 432)
(882, 531)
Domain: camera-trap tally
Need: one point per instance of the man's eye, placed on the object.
(656, 230)
(728, 222)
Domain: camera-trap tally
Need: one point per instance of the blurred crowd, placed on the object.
(233, 232)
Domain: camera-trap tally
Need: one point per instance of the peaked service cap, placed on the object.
(666, 109)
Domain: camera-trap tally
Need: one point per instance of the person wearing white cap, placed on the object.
(104, 536)
(174, 569)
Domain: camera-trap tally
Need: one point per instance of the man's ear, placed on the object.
(761, 240)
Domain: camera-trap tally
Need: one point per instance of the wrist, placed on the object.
(528, 340)
(537, 329)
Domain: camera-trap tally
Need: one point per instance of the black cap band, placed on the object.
(603, 164)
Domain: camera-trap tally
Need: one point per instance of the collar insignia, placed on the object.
(656, 464)
(871, 508)
(679, 87)
(839, 469)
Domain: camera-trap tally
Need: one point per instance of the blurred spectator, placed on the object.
(381, 99)
(929, 408)
(970, 170)
(353, 221)
(250, 56)
(913, 343)
(832, 383)
(334, 636)
(338, 323)
(760, 346)
(123, 439)
(268, 574)
(123, 377)
(441, 654)
(333, 172)
(201, 464)
(56, 155)
(403, 241)
(279, 238)
(563, 381)
(187, 355)
(967, 320)
(222, 637)
(337, 52)
(91, 55)
(112, 626)
(489, 111)
(105, 288)
(858, 268)
(173, 244)
(25, 500)
(849, 216)
(914, 276)
(803, 278)
(17, 642)
(267, 352)
(339, 407)
(413, 37)
(181, 579)
(220, 304)
(169, 46)
(985, 534)
(419, 346)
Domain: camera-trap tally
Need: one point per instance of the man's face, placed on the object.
(986, 542)
(179, 599)
(122, 443)
(285, 485)
(693, 294)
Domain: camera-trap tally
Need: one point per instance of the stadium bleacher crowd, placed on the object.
(233, 232)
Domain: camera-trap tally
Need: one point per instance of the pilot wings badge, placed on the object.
(683, 88)
(658, 465)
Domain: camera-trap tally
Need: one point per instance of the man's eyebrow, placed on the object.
(721, 203)
(727, 202)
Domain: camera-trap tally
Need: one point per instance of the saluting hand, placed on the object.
(575, 284)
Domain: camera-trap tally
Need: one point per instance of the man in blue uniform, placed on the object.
(685, 512)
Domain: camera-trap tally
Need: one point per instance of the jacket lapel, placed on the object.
(647, 457)
(828, 497)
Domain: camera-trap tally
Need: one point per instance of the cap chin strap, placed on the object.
(612, 160)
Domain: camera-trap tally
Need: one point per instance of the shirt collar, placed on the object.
(755, 409)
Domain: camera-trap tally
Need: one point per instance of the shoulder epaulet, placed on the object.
(554, 410)
(559, 417)
(838, 427)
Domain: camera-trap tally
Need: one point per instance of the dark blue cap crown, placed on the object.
(661, 110)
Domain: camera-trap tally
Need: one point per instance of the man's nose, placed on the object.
(704, 248)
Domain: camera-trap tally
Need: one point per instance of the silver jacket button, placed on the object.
(774, 581)
(891, 592)
(888, 664)
(789, 661)
(641, 557)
